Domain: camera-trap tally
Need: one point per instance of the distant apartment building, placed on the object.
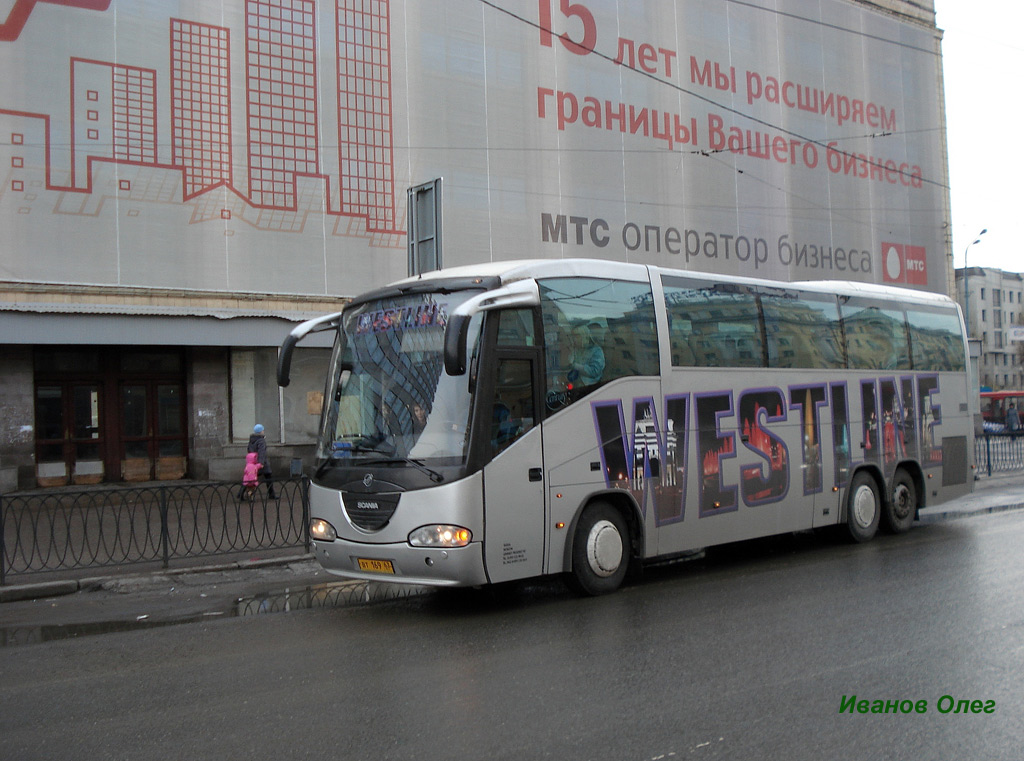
(992, 305)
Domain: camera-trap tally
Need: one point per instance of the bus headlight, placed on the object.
(440, 536)
(322, 531)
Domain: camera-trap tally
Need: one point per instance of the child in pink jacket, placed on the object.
(251, 475)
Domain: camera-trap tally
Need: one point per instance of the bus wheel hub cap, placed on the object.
(901, 500)
(604, 548)
(864, 507)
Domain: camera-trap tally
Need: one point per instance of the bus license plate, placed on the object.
(376, 566)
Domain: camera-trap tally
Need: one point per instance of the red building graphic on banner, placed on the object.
(201, 104)
(281, 98)
(19, 14)
(364, 111)
(114, 115)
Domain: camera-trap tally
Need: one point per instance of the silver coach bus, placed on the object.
(516, 419)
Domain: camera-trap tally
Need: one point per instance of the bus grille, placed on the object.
(370, 512)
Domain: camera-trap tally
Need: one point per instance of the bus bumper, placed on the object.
(401, 563)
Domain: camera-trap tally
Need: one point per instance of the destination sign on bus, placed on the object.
(403, 318)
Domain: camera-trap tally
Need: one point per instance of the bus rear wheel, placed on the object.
(863, 507)
(902, 505)
(600, 550)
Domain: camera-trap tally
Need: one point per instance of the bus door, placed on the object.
(514, 509)
(837, 447)
(818, 455)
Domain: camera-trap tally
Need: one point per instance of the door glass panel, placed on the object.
(87, 450)
(66, 361)
(174, 448)
(136, 449)
(86, 402)
(50, 413)
(515, 327)
(513, 413)
(133, 410)
(50, 452)
(168, 400)
(151, 362)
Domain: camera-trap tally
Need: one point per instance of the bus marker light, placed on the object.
(559, 525)
(558, 496)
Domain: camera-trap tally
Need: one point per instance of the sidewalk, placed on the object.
(125, 581)
(991, 494)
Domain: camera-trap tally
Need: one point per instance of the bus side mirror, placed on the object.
(455, 344)
(521, 293)
(284, 359)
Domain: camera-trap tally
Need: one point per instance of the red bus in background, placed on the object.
(994, 405)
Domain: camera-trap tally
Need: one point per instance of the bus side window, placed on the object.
(595, 331)
(803, 330)
(876, 336)
(936, 340)
(721, 324)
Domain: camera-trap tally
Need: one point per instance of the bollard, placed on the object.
(165, 531)
(304, 495)
(3, 546)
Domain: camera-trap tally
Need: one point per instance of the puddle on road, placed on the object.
(12, 636)
(331, 595)
(339, 595)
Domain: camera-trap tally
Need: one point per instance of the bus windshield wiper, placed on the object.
(434, 475)
(339, 455)
(373, 442)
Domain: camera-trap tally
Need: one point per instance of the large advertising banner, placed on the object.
(267, 145)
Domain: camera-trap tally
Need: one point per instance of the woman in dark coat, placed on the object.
(258, 444)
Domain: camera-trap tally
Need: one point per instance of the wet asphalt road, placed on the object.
(746, 654)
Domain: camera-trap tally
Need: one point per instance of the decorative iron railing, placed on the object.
(62, 530)
(999, 452)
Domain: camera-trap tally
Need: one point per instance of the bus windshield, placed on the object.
(390, 399)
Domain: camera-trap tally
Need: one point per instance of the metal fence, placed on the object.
(999, 452)
(63, 530)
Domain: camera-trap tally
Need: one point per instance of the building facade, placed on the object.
(182, 182)
(991, 301)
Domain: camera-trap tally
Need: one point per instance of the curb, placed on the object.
(953, 515)
(36, 590)
(39, 589)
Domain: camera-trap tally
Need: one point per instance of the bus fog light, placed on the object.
(322, 531)
(440, 536)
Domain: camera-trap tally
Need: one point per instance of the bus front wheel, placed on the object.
(863, 507)
(600, 550)
(899, 512)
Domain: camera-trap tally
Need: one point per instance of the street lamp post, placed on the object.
(967, 290)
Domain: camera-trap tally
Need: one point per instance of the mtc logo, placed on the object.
(904, 264)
